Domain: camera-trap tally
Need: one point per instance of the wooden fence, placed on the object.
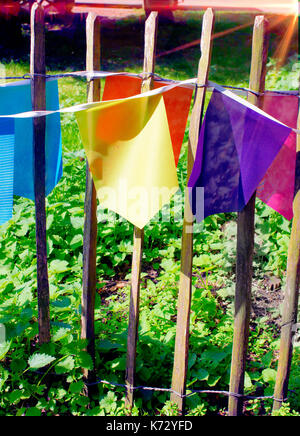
(245, 222)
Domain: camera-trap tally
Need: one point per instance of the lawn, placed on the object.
(28, 386)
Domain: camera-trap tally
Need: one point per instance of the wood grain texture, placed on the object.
(38, 91)
(138, 238)
(291, 297)
(184, 297)
(245, 236)
(90, 207)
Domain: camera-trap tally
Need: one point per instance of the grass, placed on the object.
(24, 389)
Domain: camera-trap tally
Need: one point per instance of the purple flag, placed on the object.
(237, 144)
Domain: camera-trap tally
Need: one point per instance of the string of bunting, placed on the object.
(101, 74)
(171, 84)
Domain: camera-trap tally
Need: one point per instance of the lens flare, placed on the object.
(289, 34)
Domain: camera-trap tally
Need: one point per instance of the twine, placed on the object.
(89, 75)
(193, 392)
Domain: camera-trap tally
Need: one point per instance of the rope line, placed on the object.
(190, 83)
(94, 75)
(193, 392)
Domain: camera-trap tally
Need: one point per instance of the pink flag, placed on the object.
(277, 187)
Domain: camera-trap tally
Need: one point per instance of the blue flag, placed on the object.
(15, 97)
(7, 136)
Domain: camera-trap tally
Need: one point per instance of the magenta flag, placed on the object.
(237, 144)
(277, 187)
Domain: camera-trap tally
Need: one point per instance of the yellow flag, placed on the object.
(130, 155)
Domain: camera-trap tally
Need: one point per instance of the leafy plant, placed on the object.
(48, 380)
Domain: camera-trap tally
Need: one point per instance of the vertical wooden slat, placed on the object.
(38, 90)
(149, 66)
(184, 297)
(90, 207)
(290, 304)
(245, 237)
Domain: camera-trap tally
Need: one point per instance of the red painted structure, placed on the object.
(269, 6)
(287, 7)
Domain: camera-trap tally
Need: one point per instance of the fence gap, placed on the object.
(290, 303)
(151, 26)
(185, 286)
(90, 206)
(245, 236)
(38, 94)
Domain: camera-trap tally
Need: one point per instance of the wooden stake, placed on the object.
(184, 297)
(290, 304)
(245, 238)
(90, 207)
(38, 90)
(149, 67)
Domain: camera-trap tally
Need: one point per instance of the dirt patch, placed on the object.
(266, 300)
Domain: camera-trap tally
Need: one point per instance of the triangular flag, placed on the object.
(277, 187)
(177, 102)
(15, 97)
(7, 135)
(237, 145)
(129, 150)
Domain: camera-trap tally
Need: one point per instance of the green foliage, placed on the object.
(47, 380)
(169, 409)
(285, 411)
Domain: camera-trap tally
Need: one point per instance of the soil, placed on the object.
(267, 299)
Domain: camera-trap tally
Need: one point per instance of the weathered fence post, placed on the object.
(90, 207)
(185, 286)
(38, 91)
(149, 66)
(290, 304)
(245, 238)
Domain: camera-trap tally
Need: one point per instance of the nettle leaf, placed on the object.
(59, 266)
(85, 360)
(118, 364)
(167, 264)
(118, 258)
(202, 260)
(62, 303)
(65, 365)
(109, 403)
(16, 396)
(170, 336)
(76, 242)
(4, 374)
(50, 220)
(76, 387)
(77, 222)
(201, 374)
(60, 334)
(248, 383)
(213, 380)
(107, 345)
(40, 361)
(25, 296)
(269, 375)
(192, 360)
(22, 229)
(33, 411)
(4, 349)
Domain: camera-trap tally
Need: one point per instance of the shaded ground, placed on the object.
(267, 296)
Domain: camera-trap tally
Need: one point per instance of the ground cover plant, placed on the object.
(47, 380)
